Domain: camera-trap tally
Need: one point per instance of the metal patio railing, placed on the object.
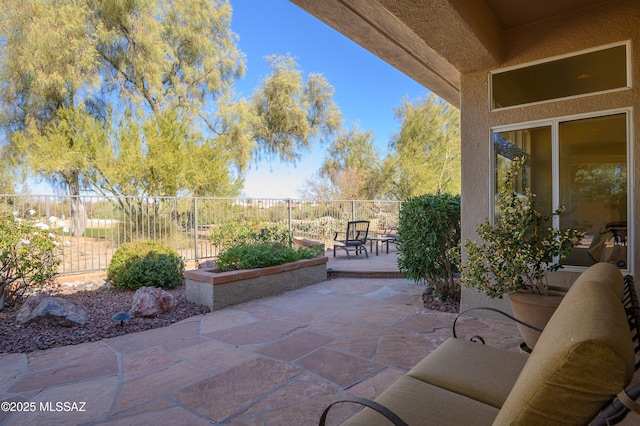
(183, 223)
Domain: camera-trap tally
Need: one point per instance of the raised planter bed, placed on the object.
(219, 289)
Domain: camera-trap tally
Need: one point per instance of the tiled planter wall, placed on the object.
(219, 289)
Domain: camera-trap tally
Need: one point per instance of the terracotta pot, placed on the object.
(533, 309)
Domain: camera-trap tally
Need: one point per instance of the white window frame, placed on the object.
(554, 123)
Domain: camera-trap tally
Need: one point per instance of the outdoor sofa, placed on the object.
(584, 358)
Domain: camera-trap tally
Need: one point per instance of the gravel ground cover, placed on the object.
(441, 305)
(102, 302)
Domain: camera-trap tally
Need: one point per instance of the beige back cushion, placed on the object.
(605, 273)
(583, 358)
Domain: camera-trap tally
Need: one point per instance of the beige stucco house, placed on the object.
(554, 80)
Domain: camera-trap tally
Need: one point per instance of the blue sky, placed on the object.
(366, 88)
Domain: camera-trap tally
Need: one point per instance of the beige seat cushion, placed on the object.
(419, 403)
(583, 358)
(477, 371)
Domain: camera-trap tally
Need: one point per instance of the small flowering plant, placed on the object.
(29, 253)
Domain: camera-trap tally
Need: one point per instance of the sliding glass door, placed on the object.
(581, 163)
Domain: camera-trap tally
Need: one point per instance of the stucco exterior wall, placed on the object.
(612, 22)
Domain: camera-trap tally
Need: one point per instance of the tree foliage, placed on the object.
(162, 155)
(341, 185)
(48, 69)
(291, 112)
(48, 60)
(423, 158)
(7, 178)
(352, 169)
(138, 99)
(159, 55)
(606, 183)
(424, 155)
(65, 152)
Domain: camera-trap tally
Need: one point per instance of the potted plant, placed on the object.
(516, 252)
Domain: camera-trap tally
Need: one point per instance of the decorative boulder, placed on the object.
(52, 310)
(151, 301)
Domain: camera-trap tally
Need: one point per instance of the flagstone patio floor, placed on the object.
(275, 361)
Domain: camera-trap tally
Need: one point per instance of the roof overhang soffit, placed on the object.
(433, 42)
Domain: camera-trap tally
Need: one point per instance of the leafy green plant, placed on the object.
(261, 255)
(145, 264)
(429, 228)
(250, 243)
(518, 250)
(29, 254)
(243, 230)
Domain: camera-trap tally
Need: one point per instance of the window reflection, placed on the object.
(593, 187)
(592, 180)
(576, 75)
(534, 145)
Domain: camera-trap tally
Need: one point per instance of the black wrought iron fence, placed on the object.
(184, 223)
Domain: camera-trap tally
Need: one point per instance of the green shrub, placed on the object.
(242, 231)
(429, 230)
(145, 264)
(261, 255)
(29, 254)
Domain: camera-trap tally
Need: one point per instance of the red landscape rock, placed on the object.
(152, 301)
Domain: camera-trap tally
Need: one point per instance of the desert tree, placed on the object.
(49, 70)
(292, 113)
(351, 170)
(154, 82)
(424, 156)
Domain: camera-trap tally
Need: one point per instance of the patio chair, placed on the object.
(354, 239)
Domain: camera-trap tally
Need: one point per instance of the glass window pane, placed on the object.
(593, 187)
(582, 74)
(535, 145)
